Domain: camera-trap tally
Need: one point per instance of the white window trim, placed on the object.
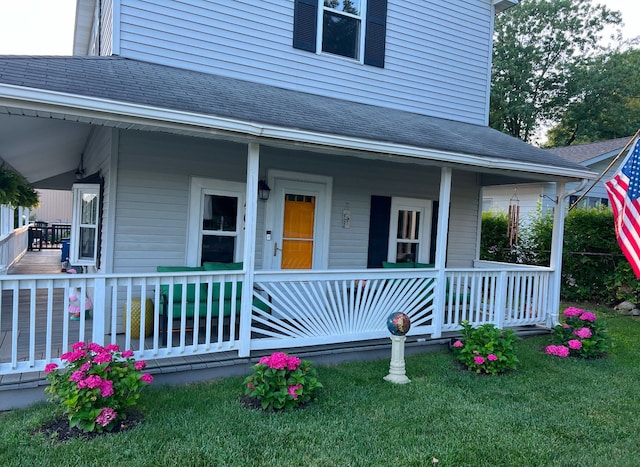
(425, 206)
(363, 33)
(209, 186)
(79, 189)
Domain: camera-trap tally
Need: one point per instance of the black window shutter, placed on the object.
(379, 218)
(305, 23)
(374, 41)
(434, 231)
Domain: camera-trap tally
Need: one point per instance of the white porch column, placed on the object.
(99, 311)
(248, 257)
(555, 262)
(444, 204)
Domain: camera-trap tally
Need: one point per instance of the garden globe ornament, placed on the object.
(398, 324)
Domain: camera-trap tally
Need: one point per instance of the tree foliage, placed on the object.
(606, 103)
(15, 190)
(538, 46)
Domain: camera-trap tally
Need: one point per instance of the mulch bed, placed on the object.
(58, 430)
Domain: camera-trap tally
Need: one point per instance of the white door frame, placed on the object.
(316, 185)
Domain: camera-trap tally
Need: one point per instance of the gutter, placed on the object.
(91, 108)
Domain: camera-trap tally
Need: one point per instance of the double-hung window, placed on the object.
(86, 224)
(216, 221)
(351, 28)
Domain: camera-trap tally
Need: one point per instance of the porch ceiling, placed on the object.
(42, 149)
(57, 97)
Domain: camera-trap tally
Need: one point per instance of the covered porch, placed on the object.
(309, 309)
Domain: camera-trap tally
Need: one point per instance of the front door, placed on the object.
(298, 231)
(301, 219)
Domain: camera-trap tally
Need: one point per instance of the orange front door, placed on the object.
(298, 231)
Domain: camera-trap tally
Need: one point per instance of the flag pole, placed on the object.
(633, 138)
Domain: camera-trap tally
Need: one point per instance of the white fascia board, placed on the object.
(117, 111)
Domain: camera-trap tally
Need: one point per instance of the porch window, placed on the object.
(219, 228)
(216, 221)
(86, 223)
(410, 228)
(342, 27)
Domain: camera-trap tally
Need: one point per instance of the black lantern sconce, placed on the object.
(263, 190)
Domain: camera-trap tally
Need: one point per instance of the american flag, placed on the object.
(624, 190)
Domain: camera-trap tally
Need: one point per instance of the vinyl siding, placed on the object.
(463, 220)
(153, 194)
(437, 54)
(527, 196)
(106, 27)
(97, 159)
(154, 173)
(55, 206)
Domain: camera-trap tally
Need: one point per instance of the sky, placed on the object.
(45, 27)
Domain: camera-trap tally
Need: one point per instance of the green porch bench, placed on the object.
(174, 308)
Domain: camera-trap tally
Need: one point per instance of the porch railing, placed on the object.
(289, 309)
(12, 247)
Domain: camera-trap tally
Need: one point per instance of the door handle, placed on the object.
(276, 249)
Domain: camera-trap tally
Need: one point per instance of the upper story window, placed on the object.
(350, 28)
(341, 20)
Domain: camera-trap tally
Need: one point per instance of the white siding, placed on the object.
(599, 191)
(106, 27)
(97, 159)
(55, 207)
(153, 197)
(463, 220)
(153, 194)
(528, 196)
(354, 182)
(437, 52)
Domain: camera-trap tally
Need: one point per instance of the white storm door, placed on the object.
(301, 223)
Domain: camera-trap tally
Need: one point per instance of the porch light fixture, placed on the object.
(263, 190)
(80, 169)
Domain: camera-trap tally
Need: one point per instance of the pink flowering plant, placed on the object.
(486, 349)
(582, 335)
(97, 385)
(282, 382)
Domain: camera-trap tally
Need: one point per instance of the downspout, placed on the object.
(555, 261)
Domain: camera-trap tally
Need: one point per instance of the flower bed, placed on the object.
(582, 335)
(97, 386)
(282, 382)
(486, 349)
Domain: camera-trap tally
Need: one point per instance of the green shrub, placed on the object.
(486, 349)
(282, 382)
(583, 335)
(593, 267)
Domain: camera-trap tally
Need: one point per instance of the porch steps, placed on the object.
(22, 390)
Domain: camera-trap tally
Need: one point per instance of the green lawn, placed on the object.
(548, 412)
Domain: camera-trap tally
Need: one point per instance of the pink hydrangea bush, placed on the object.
(485, 349)
(97, 385)
(282, 382)
(582, 335)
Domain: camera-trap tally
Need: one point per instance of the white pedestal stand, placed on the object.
(397, 372)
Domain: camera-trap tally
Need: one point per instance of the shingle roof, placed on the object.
(133, 81)
(580, 153)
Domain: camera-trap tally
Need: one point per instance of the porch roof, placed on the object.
(111, 90)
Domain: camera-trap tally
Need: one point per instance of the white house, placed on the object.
(366, 120)
(593, 156)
